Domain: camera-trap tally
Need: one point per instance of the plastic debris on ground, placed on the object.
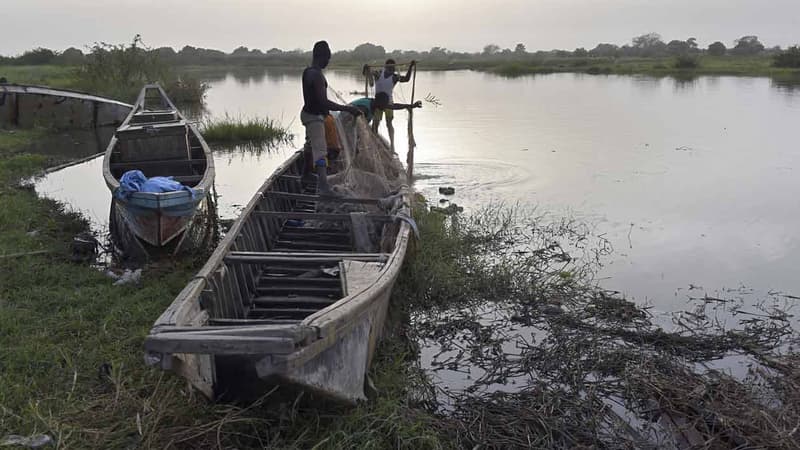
(35, 441)
(127, 277)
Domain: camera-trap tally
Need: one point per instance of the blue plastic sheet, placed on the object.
(135, 181)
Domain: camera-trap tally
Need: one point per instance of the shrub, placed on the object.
(686, 62)
(120, 71)
(788, 58)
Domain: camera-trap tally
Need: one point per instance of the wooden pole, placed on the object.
(367, 74)
(411, 142)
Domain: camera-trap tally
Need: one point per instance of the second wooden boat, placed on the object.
(157, 139)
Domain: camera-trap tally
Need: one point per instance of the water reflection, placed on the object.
(786, 85)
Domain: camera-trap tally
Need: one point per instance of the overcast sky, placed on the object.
(405, 24)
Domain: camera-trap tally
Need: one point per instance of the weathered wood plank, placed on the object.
(321, 216)
(322, 198)
(265, 300)
(249, 322)
(292, 257)
(298, 290)
(210, 344)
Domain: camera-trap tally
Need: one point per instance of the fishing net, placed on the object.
(367, 166)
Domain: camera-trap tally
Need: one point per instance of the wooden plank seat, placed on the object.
(321, 216)
(143, 131)
(251, 322)
(292, 257)
(307, 301)
(321, 198)
(163, 162)
(187, 179)
(154, 116)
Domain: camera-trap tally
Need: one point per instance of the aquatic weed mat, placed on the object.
(524, 349)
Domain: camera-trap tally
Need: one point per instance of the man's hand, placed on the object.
(417, 104)
(355, 111)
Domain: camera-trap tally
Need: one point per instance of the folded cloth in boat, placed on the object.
(135, 181)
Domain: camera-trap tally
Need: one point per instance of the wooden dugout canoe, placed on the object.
(286, 301)
(158, 140)
(26, 106)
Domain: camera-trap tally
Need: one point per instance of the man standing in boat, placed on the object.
(385, 80)
(316, 107)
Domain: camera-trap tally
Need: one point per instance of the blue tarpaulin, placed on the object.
(135, 181)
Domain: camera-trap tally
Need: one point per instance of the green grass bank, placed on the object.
(71, 351)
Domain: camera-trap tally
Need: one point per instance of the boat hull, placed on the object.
(337, 364)
(26, 106)
(159, 226)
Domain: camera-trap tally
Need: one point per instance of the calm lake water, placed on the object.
(694, 183)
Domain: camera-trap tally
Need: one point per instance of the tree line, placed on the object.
(649, 45)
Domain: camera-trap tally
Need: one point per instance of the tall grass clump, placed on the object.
(121, 70)
(238, 129)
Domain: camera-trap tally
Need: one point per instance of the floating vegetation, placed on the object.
(244, 130)
(525, 350)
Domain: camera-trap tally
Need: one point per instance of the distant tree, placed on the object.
(439, 53)
(647, 40)
(36, 56)
(167, 53)
(241, 52)
(717, 49)
(605, 50)
(71, 57)
(748, 45)
(520, 49)
(649, 44)
(676, 47)
(580, 52)
(368, 51)
(491, 49)
(274, 51)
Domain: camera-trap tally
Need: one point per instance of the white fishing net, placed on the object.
(367, 167)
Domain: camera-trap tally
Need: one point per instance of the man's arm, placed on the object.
(396, 106)
(318, 84)
(407, 77)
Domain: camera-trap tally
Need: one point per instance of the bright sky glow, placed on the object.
(407, 24)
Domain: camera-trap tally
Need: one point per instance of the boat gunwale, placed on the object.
(35, 89)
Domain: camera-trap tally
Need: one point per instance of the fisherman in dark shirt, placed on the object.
(315, 107)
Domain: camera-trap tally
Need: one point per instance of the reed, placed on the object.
(232, 130)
